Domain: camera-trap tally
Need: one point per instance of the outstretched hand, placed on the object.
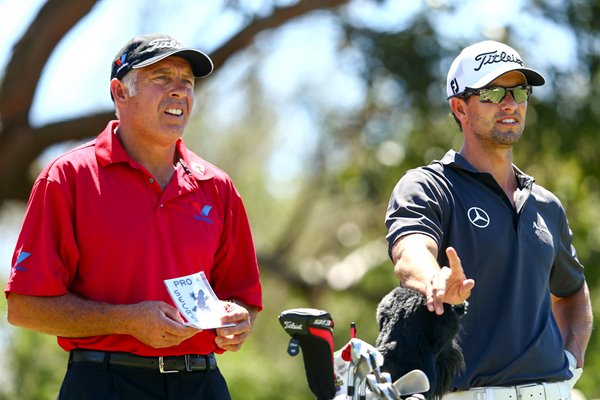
(450, 285)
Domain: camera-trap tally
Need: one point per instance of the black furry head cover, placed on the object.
(412, 337)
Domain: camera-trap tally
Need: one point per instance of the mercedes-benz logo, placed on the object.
(478, 217)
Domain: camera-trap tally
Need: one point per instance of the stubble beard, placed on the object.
(500, 138)
(506, 138)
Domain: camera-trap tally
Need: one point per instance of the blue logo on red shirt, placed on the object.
(20, 258)
(203, 213)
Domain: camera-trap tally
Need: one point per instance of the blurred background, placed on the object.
(315, 109)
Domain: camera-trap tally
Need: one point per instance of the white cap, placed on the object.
(479, 64)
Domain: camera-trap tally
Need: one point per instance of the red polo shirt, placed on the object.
(100, 226)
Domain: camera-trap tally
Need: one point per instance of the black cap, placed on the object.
(145, 50)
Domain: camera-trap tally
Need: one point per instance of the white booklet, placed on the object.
(196, 301)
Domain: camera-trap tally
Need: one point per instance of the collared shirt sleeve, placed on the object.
(567, 275)
(416, 206)
(46, 253)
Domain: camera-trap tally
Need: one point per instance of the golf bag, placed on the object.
(312, 331)
(351, 373)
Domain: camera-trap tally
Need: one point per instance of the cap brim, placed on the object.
(201, 64)
(534, 78)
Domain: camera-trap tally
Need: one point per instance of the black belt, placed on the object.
(164, 365)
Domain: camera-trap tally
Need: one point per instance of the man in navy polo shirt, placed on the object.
(473, 226)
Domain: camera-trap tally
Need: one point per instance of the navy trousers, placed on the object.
(89, 381)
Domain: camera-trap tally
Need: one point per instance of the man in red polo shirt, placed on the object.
(109, 221)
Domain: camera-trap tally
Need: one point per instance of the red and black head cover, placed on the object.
(312, 331)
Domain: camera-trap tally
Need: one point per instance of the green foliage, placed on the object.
(355, 157)
(33, 366)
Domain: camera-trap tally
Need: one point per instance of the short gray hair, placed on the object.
(130, 81)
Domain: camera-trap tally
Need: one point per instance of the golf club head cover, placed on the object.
(312, 331)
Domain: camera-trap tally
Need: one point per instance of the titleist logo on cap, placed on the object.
(162, 44)
(479, 64)
(495, 57)
(144, 50)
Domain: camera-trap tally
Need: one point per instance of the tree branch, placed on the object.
(278, 17)
(25, 145)
(30, 55)
(20, 145)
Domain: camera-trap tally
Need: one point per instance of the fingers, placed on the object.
(458, 275)
(160, 325)
(232, 342)
(436, 291)
(232, 338)
(157, 324)
(448, 285)
(171, 313)
(168, 336)
(164, 339)
(453, 260)
(465, 289)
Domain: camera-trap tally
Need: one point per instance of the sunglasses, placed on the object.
(495, 94)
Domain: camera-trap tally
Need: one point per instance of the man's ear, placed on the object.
(458, 107)
(117, 89)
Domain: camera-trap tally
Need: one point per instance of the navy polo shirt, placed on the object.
(517, 257)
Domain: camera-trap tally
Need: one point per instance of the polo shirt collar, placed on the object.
(197, 167)
(109, 150)
(455, 160)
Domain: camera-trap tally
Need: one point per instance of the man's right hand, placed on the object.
(449, 285)
(158, 324)
(154, 323)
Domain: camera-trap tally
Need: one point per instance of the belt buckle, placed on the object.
(533, 392)
(161, 366)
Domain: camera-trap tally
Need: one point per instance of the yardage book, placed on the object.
(196, 301)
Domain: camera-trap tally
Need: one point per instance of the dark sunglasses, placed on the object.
(495, 94)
